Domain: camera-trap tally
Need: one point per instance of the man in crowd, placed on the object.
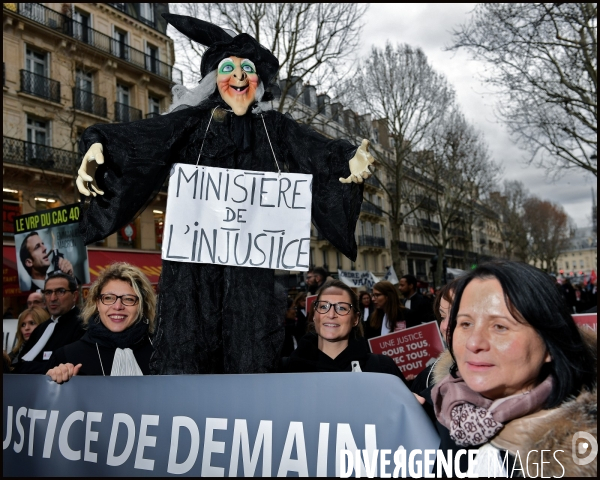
(36, 299)
(315, 278)
(419, 305)
(63, 327)
(36, 259)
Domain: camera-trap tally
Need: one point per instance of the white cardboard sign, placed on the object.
(238, 217)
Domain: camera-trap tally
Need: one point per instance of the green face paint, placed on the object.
(226, 66)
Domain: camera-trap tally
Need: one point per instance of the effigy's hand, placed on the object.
(86, 183)
(64, 372)
(361, 164)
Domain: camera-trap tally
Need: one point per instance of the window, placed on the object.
(153, 106)
(122, 110)
(325, 262)
(365, 261)
(83, 91)
(567, 265)
(123, 94)
(36, 62)
(147, 13)
(152, 59)
(338, 258)
(81, 26)
(38, 136)
(120, 44)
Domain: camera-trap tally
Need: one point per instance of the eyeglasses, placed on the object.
(60, 292)
(341, 308)
(377, 295)
(127, 300)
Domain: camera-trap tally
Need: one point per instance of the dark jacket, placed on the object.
(308, 358)
(84, 351)
(68, 330)
(421, 308)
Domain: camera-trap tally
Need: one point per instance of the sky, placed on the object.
(429, 26)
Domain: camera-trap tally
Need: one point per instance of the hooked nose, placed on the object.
(239, 73)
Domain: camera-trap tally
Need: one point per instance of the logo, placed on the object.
(584, 443)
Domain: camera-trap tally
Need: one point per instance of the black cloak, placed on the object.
(214, 318)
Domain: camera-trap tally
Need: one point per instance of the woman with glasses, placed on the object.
(119, 315)
(337, 343)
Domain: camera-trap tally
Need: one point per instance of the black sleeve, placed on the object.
(335, 205)
(58, 356)
(137, 160)
(387, 365)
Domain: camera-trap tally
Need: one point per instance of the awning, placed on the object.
(147, 262)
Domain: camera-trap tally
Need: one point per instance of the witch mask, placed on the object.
(237, 81)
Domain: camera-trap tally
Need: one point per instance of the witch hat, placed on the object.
(222, 45)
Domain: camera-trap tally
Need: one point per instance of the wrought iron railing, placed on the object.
(371, 241)
(40, 86)
(25, 153)
(429, 225)
(125, 113)
(421, 247)
(89, 102)
(373, 180)
(372, 209)
(63, 24)
(152, 115)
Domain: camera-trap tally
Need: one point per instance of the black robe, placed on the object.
(214, 318)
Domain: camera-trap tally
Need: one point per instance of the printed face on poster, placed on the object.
(413, 349)
(237, 217)
(48, 241)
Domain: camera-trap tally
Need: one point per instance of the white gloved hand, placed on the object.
(87, 170)
(360, 164)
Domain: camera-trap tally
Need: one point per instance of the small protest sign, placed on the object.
(238, 217)
(413, 349)
(48, 241)
(309, 303)
(358, 278)
(391, 276)
(587, 320)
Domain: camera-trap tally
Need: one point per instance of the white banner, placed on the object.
(354, 278)
(391, 276)
(237, 217)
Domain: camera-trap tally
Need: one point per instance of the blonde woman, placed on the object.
(28, 322)
(119, 317)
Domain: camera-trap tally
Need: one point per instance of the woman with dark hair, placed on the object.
(337, 343)
(119, 317)
(365, 305)
(389, 315)
(523, 377)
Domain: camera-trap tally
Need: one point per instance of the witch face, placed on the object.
(237, 81)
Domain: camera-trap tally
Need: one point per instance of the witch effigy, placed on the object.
(215, 318)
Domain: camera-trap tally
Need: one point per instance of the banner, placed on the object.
(356, 279)
(587, 320)
(48, 241)
(413, 349)
(209, 425)
(391, 276)
(236, 217)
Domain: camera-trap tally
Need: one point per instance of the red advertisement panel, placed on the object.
(412, 349)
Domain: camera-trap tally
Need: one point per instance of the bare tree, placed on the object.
(543, 59)
(460, 171)
(311, 40)
(399, 89)
(508, 204)
(548, 231)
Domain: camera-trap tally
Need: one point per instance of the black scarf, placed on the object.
(98, 333)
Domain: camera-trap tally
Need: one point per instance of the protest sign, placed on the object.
(390, 276)
(413, 349)
(356, 278)
(237, 217)
(309, 303)
(206, 425)
(587, 320)
(47, 241)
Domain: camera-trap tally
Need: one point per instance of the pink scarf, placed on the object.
(473, 419)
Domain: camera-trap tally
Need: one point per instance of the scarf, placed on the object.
(473, 419)
(124, 363)
(41, 343)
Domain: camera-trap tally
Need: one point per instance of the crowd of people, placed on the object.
(517, 372)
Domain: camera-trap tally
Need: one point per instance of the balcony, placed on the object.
(125, 113)
(20, 152)
(421, 247)
(152, 115)
(88, 102)
(457, 232)
(67, 26)
(372, 209)
(40, 86)
(429, 225)
(371, 241)
(373, 180)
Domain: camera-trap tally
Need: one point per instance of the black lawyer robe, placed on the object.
(214, 318)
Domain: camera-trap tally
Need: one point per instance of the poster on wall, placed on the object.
(48, 241)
